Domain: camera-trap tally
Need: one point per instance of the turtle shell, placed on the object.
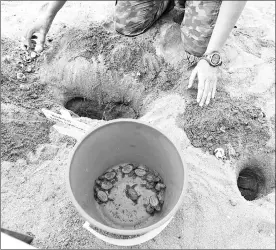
(96, 189)
(102, 177)
(153, 201)
(149, 185)
(157, 176)
(98, 182)
(110, 175)
(160, 186)
(132, 174)
(126, 169)
(131, 192)
(109, 170)
(106, 185)
(102, 196)
(115, 168)
(142, 167)
(140, 172)
(149, 209)
(161, 196)
(158, 208)
(150, 177)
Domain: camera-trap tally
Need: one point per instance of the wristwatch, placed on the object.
(214, 58)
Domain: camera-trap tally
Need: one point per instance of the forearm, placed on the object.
(53, 8)
(227, 18)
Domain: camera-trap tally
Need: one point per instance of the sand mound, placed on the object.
(232, 124)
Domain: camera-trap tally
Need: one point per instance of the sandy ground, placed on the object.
(86, 59)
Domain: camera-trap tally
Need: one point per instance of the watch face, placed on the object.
(215, 59)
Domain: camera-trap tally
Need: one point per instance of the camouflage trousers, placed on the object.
(134, 17)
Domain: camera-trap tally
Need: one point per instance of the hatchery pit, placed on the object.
(251, 182)
(84, 107)
(256, 176)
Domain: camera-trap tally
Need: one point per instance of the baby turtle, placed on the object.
(115, 168)
(102, 177)
(158, 208)
(142, 167)
(161, 196)
(127, 169)
(149, 185)
(106, 185)
(132, 174)
(96, 189)
(150, 178)
(102, 196)
(140, 172)
(109, 176)
(131, 193)
(160, 186)
(157, 176)
(149, 209)
(109, 170)
(98, 182)
(153, 201)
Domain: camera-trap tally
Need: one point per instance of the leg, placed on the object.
(135, 17)
(198, 24)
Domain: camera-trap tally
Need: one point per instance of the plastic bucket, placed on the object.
(125, 140)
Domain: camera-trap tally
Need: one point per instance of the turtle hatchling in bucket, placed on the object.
(129, 195)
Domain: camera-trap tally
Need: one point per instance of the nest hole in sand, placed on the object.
(251, 182)
(84, 107)
(256, 176)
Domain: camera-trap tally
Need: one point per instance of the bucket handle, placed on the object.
(127, 242)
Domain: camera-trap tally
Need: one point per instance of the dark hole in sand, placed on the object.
(250, 183)
(88, 108)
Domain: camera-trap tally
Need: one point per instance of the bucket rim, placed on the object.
(109, 229)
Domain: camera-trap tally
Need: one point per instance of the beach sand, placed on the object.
(147, 75)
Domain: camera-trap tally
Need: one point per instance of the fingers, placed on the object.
(200, 86)
(208, 98)
(40, 43)
(210, 90)
(28, 38)
(34, 40)
(214, 89)
(192, 77)
(205, 92)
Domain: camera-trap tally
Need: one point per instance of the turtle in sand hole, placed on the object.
(131, 193)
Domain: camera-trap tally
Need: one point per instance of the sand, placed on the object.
(146, 75)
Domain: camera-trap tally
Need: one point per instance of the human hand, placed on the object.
(207, 81)
(36, 34)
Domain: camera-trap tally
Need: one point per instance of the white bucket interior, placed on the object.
(124, 141)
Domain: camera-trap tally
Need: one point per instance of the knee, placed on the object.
(198, 24)
(127, 20)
